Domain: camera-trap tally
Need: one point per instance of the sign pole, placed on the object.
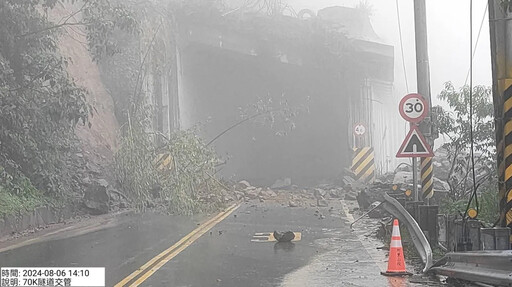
(414, 108)
(415, 179)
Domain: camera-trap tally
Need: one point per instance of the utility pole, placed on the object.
(423, 83)
(426, 215)
(501, 55)
(422, 63)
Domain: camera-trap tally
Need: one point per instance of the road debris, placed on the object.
(282, 183)
(284, 237)
(292, 203)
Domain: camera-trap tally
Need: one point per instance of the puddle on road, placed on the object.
(351, 258)
(345, 263)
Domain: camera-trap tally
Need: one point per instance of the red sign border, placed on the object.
(425, 110)
(422, 139)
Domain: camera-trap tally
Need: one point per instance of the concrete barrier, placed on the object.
(39, 217)
(489, 267)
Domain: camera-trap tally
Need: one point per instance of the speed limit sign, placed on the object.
(413, 108)
(359, 129)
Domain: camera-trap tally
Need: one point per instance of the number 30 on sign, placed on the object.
(413, 108)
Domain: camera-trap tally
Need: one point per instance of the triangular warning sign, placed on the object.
(415, 145)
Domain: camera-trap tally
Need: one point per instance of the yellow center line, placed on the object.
(182, 247)
(205, 225)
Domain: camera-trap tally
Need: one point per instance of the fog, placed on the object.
(448, 39)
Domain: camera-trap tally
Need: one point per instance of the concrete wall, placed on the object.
(387, 126)
(40, 217)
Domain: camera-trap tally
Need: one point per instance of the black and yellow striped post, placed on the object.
(164, 162)
(363, 165)
(427, 177)
(505, 168)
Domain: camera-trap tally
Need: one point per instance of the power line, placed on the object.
(477, 39)
(473, 195)
(402, 45)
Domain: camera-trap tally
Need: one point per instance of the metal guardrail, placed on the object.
(418, 237)
(490, 267)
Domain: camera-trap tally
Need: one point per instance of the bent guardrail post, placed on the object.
(489, 267)
(418, 237)
(365, 214)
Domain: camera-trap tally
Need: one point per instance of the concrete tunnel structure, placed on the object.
(331, 68)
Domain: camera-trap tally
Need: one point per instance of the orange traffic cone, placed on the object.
(396, 263)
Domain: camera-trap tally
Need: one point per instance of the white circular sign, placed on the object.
(359, 129)
(413, 108)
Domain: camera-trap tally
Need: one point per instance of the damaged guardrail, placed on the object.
(490, 267)
(418, 237)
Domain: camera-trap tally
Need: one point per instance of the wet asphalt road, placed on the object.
(328, 254)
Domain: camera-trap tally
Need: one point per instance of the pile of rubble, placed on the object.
(244, 191)
(284, 193)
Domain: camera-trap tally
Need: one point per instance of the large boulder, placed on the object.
(96, 198)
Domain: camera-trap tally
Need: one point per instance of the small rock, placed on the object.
(252, 194)
(321, 216)
(239, 195)
(319, 193)
(267, 194)
(102, 182)
(335, 193)
(93, 168)
(282, 183)
(87, 181)
(322, 203)
(243, 184)
(292, 203)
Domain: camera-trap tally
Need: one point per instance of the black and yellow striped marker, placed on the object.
(505, 168)
(163, 162)
(363, 165)
(427, 177)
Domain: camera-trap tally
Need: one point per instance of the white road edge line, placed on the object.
(369, 249)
